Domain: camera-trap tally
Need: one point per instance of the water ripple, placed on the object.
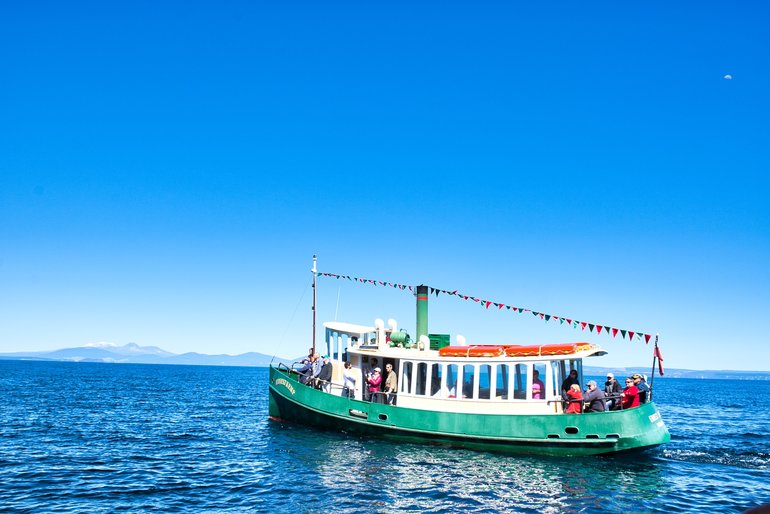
(110, 438)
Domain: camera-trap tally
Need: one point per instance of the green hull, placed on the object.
(555, 434)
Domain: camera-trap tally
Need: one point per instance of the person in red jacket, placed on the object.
(575, 399)
(630, 395)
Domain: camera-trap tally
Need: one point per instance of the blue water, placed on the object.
(79, 437)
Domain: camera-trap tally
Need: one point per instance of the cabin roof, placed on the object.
(349, 328)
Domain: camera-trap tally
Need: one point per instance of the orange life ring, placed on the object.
(547, 349)
(472, 351)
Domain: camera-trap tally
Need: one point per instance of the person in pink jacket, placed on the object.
(374, 380)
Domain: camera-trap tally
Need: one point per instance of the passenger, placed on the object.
(630, 395)
(304, 371)
(317, 363)
(374, 382)
(612, 391)
(325, 375)
(349, 381)
(594, 398)
(391, 384)
(644, 390)
(368, 371)
(575, 400)
(538, 387)
(566, 385)
(569, 381)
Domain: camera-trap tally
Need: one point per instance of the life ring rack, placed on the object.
(534, 350)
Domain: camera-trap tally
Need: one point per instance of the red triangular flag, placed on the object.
(614, 332)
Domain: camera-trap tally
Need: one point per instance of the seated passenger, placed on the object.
(594, 398)
(575, 400)
(572, 378)
(644, 390)
(630, 395)
(612, 390)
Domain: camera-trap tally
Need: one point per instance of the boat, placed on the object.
(472, 396)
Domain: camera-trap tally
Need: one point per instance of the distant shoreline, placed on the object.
(593, 371)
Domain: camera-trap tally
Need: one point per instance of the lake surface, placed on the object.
(81, 437)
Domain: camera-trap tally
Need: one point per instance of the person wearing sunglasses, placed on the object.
(630, 395)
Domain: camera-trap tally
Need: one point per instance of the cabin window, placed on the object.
(520, 382)
(406, 376)
(451, 380)
(501, 381)
(469, 385)
(562, 369)
(436, 378)
(484, 382)
(421, 379)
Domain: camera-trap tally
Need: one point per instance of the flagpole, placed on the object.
(315, 272)
(654, 358)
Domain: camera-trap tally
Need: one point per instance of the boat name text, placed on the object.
(285, 383)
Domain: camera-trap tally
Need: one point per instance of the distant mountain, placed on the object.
(132, 353)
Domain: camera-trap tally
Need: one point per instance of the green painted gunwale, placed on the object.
(597, 433)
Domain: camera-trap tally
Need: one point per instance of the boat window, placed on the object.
(562, 369)
(520, 382)
(469, 375)
(406, 376)
(451, 380)
(421, 378)
(537, 384)
(485, 377)
(501, 381)
(435, 378)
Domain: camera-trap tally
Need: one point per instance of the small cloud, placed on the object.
(728, 77)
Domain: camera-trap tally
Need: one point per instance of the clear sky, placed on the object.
(168, 169)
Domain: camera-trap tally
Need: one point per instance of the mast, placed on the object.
(314, 270)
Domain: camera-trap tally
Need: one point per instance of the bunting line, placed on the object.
(631, 335)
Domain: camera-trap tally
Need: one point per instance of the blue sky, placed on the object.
(167, 172)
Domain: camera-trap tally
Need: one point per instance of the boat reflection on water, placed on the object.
(355, 472)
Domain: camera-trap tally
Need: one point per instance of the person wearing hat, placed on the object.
(644, 389)
(630, 395)
(594, 398)
(612, 390)
(374, 381)
(368, 371)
